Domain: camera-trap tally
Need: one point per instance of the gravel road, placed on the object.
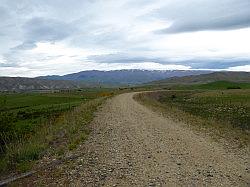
(132, 146)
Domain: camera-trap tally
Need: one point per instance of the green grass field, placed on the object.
(20, 114)
(31, 122)
(232, 106)
(220, 108)
(36, 124)
(218, 85)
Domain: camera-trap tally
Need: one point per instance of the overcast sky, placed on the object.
(45, 37)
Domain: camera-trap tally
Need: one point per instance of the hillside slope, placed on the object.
(206, 78)
(25, 84)
(122, 77)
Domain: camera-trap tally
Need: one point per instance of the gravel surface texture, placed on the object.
(132, 146)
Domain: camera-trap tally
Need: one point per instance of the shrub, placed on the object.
(233, 87)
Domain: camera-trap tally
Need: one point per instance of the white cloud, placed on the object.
(19, 72)
(142, 65)
(205, 44)
(42, 37)
(61, 49)
(64, 65)
(240, 68)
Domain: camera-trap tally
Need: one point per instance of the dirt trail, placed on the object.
(132, 146)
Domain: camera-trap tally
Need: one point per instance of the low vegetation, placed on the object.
(35, 124)
(221, 85)
(225, 112)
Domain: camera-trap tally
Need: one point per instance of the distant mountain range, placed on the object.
(206, 78)
(89, 79)
(122, 77)
(118, 78)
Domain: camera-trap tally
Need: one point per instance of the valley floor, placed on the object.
(132, 146)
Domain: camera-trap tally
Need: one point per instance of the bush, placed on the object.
(233, 87)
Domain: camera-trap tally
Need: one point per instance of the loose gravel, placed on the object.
(132, 146)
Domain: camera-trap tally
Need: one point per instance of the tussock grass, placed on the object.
(45, 130)
(55, 137)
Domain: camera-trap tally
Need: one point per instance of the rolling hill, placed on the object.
(243, 77)
(118, 78)
(26, 84)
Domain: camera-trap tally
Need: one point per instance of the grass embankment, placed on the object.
(37, 124)
(217, 85)
(223, 113)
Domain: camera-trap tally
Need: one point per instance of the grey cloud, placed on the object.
(196, 15)
(25, 46)
(11, 58)
(3, 13)
(230, 24)
(40, 29)
(8, 25)
(121, 58)
(209, 63)
(93, 32)
(217, 63)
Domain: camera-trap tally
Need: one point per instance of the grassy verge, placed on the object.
(225, 115)
(217, 85)
(36, 125)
